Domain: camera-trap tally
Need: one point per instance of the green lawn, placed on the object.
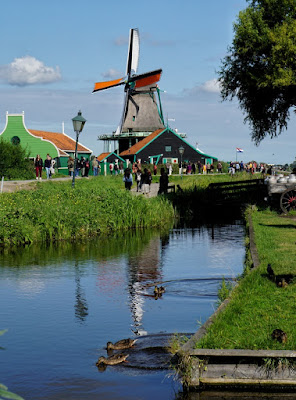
(257, 305)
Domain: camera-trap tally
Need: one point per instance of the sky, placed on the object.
(54, 51)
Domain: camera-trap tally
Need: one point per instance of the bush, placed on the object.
(15, 162)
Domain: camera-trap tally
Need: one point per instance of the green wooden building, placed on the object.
(58, 145)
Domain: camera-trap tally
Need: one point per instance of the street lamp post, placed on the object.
(78, 124)
(181, 151)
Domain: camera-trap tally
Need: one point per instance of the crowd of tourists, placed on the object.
(191, 168)
(250, 167)
(82, 167)
(142, 177)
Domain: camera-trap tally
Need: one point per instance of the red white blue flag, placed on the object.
(239, 150)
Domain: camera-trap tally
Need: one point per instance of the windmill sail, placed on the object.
(146, 79)
(141, 112)
(133, 52)
(108, 84)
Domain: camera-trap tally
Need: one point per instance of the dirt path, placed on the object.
(13, 186)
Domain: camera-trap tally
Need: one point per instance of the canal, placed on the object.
(61, 305)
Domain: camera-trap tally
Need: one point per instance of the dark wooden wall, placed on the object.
(168, 138)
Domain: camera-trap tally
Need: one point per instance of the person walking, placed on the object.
(145, 182)
(128, 179)
(52, 164)
(70, 164)
(77, 167)
(163, 182)
(86, 168)
(138, 179)
(111, 168)
(180, 168)
(47, 166)
(154, 169)
(95, 165)
(149, 179)
(82, 165)
(38, 167)
(121, 167)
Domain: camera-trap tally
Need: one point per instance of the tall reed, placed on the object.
(55, 211)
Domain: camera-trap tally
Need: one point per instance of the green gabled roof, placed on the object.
(103, 156)
(16, 131)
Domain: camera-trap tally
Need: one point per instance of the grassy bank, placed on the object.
(189, 182)
(193, 201)
(257, 305)
(56, 211)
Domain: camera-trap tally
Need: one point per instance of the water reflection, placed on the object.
(81, 307)
(107, 285)
(143, 267)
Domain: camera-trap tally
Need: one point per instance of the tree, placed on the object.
(14, 162)
(260, 68)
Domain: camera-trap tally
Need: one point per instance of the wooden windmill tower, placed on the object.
(142, 111)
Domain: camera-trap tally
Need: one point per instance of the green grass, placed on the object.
(203, 181)
(56, 211)
(257, 305)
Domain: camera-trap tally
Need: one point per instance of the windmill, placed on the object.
(141, 114)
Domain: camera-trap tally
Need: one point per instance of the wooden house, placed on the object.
(162, 146)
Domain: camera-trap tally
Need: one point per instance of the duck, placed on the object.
(158, 291)
(112, 360)
(282, 283)
(279, 335)
(270, 271)
(161, 289)
(121, 344)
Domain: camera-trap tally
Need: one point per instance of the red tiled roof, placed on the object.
(62, 142)
(102, 156)
(138, 146)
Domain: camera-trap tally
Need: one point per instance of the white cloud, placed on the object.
(112, 73)
(211, 86)
(28, 71)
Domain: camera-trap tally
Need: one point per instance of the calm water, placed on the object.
(62, 304)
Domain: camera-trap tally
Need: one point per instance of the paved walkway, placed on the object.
(153, 190)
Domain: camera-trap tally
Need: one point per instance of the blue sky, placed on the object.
(53, 52)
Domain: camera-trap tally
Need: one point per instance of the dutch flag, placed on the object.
(239, 150)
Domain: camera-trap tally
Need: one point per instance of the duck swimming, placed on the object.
(112, 360)
(121, 344)
(158, 291)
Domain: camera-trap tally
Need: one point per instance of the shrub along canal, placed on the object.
(61, 304)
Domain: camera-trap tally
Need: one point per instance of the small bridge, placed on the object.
(236, 192)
